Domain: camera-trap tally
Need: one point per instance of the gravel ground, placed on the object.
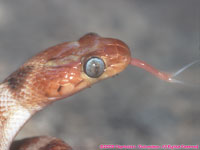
(132, 108)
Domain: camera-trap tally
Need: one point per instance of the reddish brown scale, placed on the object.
(17, 79)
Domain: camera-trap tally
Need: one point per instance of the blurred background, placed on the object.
(132, 108)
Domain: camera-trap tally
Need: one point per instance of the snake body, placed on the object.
(51, 75)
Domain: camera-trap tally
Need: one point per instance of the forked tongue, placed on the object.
(162, 75)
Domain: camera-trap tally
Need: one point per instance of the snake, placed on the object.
(56, 73)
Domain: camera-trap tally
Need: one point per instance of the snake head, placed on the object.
(67, 68)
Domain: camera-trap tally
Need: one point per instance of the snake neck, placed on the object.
(12, 116)
(19, 100)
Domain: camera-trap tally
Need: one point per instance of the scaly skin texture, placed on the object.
(54, 74)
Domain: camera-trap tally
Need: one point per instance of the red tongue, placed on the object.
(141, 64)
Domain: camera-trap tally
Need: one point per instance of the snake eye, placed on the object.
(94, 67)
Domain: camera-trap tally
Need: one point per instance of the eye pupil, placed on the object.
(94, 67)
